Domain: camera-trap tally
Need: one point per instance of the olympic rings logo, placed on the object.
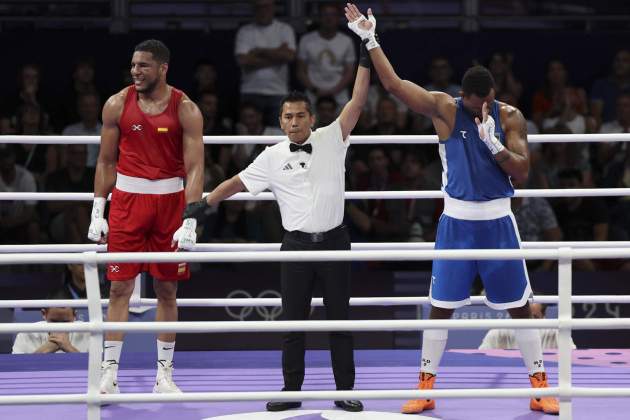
(268, 313)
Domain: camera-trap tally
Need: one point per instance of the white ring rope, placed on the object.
(276, 302)
(249, 256)
(349, 195)
(355, 139)
(274, 247)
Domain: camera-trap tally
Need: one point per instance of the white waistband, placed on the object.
(131, 184)
(477, 210)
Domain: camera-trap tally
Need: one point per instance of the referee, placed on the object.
(306, 173)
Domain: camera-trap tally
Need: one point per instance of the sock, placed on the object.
(111, 351)
(433, 344)
(529, 342)
(165, 352)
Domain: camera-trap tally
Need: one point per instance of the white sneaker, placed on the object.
(109, 378)
(164, 380)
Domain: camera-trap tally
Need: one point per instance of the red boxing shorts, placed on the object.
(145, 223)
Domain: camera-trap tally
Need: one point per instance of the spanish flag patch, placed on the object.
(181, 268)
(162, 130)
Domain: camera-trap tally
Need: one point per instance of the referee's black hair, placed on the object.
(477, 81)
(160, 51)
(296, 96)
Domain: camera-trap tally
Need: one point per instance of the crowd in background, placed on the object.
(323, 63)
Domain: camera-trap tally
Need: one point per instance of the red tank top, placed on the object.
(150, 146)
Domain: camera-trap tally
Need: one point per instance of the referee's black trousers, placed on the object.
(297, 280)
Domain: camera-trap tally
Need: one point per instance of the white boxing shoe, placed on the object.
(164, 379)
(109, 378)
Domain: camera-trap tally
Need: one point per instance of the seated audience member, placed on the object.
(18, 221)
(53, 342)
(536, 222)
(74, 281)
(88, 109)
(581, 218)
(610, 154)
(557, 157)
(39, 159)
(69, 220)
(504, 339)
(422, 215)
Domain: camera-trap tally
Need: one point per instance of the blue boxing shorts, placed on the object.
(478, 225)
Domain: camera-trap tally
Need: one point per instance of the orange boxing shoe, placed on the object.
(418, 406)
(548, 405)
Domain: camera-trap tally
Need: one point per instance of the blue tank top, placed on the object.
(469, 171)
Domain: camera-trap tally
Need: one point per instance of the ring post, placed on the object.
(95, 313)
(564, 333)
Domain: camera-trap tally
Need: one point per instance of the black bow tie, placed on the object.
(308, 148)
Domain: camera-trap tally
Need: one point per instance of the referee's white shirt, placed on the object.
(309, 188)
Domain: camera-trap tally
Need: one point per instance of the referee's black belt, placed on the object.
(316, 237)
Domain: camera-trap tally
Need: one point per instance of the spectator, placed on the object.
(558, 99)
(387, 125)
(88, 109)
(379, 220)
(74, 281)
(39, 159)
(504, 339)
(326, 58)
(29, 91)
(213, 125)
(500, 66)
(263, 50)
(440, 79)
(205, 79)
(18, 223)
(605, 91)
(375, 94)
(536, 222)
(565, 112)
(581, 218)
(6, 126)
(326, 108)
(440, 74)
(232, 223)
(250, 123)
(386, 118)
(70, 220)
(558, 156)
(207, 82)
(618, 176)
(83, 83)
(53, 342)
(421, 214)
(610, 154)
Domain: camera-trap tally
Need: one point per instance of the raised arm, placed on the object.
(192, 124)
(352, 110)
(418, 99)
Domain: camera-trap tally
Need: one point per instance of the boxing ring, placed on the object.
(489, 384)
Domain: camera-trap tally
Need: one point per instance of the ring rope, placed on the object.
(354, 139)
(349, 195)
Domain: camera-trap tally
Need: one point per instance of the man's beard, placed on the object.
(150, 87)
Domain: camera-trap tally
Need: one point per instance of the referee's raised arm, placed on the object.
(352, 110)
